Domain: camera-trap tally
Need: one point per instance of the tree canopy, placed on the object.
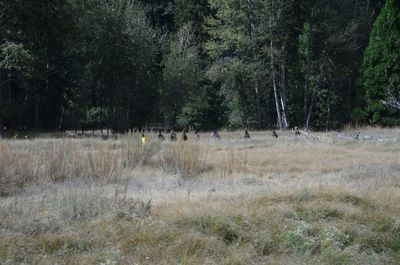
(380, 71)
(123, 64)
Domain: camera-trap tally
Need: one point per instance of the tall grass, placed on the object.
(183, 158)
(263, 201)
(134, 153)
(68, 204)
(233, 162)
(16, 170)
(23, 163)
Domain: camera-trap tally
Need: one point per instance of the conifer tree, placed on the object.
(380, 73)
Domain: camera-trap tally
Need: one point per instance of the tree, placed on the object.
(189, 11)
(119, 50)
(251, 47)
(381, 67)
(212, 63)
(333, 32)
(181, 74)
(42, 31)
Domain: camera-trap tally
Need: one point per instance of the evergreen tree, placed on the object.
(130, 63)
(381, 68)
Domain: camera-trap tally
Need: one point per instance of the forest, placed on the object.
(210, 64)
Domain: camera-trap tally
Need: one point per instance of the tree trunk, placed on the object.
(283, 97)
(328, 118)
(274, 85)
(309, 112)
(61, 118)
(305, 107)
(37, 113)
(258, 104)
(1, 128)
(328, 115)
(308, 102)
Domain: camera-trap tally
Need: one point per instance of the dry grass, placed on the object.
(292, 200)
(183, 159)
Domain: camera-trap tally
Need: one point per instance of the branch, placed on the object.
(391, 100)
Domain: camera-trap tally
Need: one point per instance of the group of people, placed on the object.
(196, 135)
(247, 135)
(173, 137)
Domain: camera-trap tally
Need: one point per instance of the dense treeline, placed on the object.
(120, 64)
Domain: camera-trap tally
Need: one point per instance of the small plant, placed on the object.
(128, 208)
(300, 239)
(78, 204)
(333, 238)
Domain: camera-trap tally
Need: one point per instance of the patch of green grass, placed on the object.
(223, 228)
(321, 213)
(334, 257)
(299, 239)
(63, 244)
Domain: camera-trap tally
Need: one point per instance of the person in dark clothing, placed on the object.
(172, 138)
(246, 135)
(196, 135)
(274, 134)
(296, 131)
(184, 136)
(160, 136)
(215, 135)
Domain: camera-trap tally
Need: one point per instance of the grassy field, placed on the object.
(324, 198)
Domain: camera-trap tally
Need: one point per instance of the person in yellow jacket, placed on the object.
(144, 139)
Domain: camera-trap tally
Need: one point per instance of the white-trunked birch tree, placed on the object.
(251, 36)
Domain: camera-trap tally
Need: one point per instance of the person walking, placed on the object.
(144, 139)
(246, 135)
(184, 136)
(172, 138)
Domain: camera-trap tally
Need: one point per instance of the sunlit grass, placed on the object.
(290, 200)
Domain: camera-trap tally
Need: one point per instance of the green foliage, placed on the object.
(300, 239)
(71, 64)
(381, 67)
(15, 56)
(234, 48)
(330, 241)
(69, 58)
(331, 34)
(189, 11)
(181, 75)
(220, 227)
(96, 116)
(192, 113)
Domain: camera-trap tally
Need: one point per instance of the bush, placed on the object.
(300, 239)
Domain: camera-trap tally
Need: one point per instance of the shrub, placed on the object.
(300, 239)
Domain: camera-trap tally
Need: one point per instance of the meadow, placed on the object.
(321, 198)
